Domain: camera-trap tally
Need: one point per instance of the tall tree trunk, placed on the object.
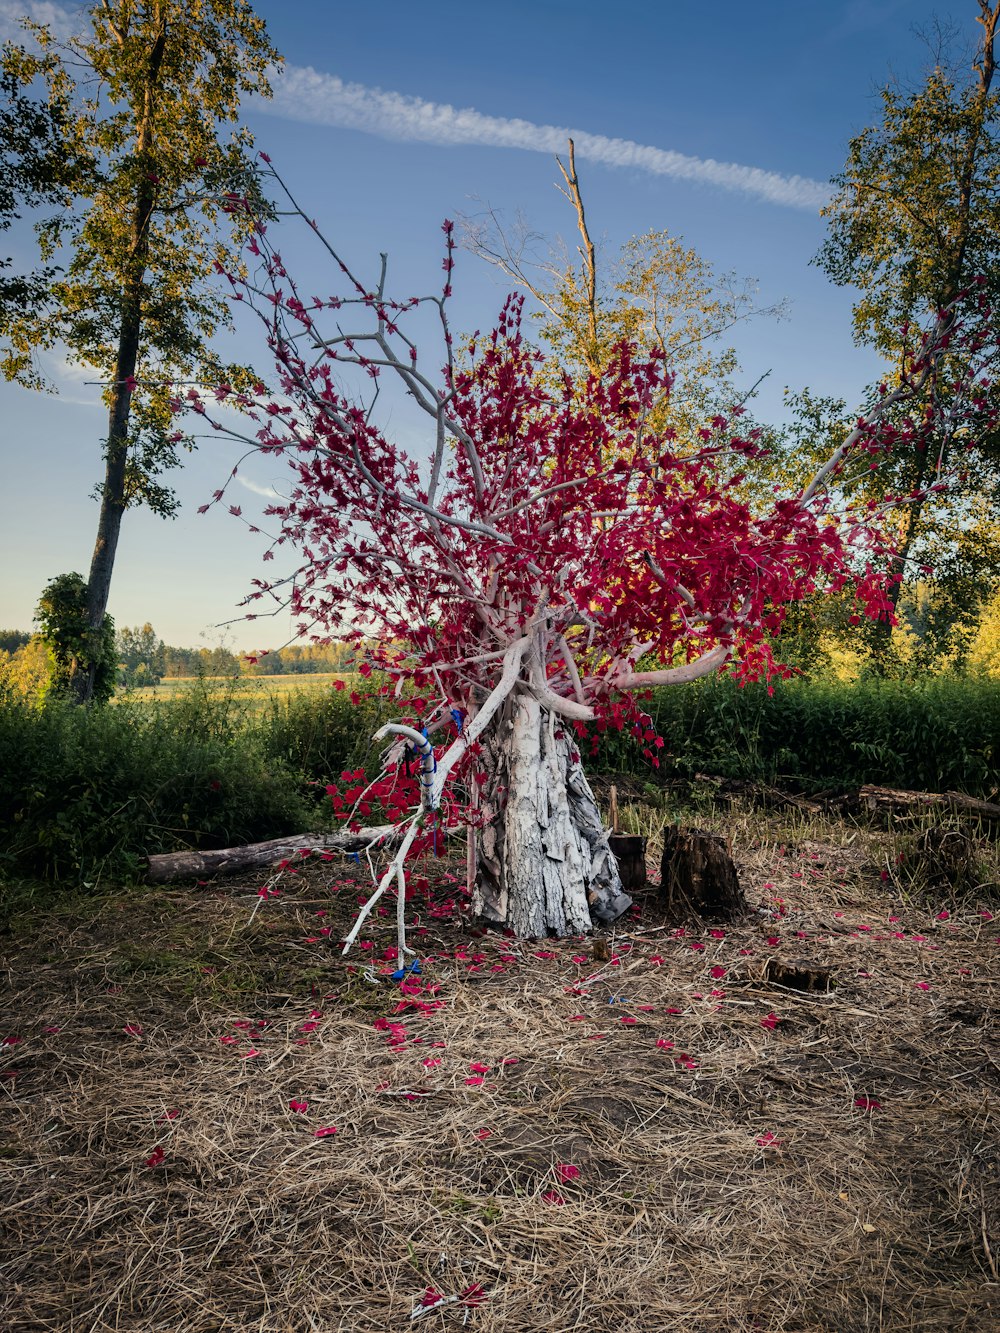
(113, 496)
(543, 864)
(113, 501)
(881, 639)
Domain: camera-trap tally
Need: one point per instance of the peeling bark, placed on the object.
(544, 865)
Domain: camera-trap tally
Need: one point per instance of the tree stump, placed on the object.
(630, 853)
(698, 877)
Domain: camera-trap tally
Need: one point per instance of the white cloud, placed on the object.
(310, 96)
(63, 22)
(267, 491)
(76, 382)
(322, 99)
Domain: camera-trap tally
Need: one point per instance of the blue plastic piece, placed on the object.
(413, 968)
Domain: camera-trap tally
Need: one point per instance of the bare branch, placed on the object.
(587, 253)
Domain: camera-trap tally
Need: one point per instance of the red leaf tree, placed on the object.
(544, 557)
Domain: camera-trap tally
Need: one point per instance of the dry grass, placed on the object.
(729, 1181)
(253, 689)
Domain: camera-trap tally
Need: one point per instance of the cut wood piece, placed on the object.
(890, 801)
(630, 853)
(698, 877)
(613, 809)
(169, 866)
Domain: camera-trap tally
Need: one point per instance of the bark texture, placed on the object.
(543, 863)
(170, 866)
(698, 877)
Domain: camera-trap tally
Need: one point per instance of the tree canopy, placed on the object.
(658, 293)
(914, 225)
(34, 171)
(144, 98)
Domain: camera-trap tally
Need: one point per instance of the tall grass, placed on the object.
(935, 735)
(86, 793)
(89, 792)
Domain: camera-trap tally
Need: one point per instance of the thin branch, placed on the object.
(587, 253)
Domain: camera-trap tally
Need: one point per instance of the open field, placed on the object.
(249, 687)
(212, 1122)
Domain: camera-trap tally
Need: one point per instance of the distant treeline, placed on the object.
(294, 660)
(144, 659)
(12, 639)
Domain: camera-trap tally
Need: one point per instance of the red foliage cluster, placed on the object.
(546, 520)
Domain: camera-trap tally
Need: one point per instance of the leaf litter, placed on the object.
(300, 1142)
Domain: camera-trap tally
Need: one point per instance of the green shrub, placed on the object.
(935, 735)
(321, 733)
(62, 615)
(86, 792)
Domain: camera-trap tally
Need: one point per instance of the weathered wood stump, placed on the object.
(630, 853)
(698, 877)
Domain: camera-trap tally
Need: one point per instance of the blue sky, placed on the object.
(718, 122)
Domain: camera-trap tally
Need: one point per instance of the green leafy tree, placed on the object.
(178, 661)
(34, 171)
(914, 225)
(13, 639)
(984, 650)
(149, 101)
(28, 670)
(65, 628)
(140, 655)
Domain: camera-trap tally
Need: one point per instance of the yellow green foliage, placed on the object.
(29, 670)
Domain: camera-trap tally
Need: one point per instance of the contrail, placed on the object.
(308, 95)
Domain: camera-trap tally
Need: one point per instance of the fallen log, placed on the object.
(169, 866)
(889, 801)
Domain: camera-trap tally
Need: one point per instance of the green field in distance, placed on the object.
(246, 687)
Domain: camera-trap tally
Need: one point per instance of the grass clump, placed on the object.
(87, 793)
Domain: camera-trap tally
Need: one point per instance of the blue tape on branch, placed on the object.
(413, 968)
(458, 717)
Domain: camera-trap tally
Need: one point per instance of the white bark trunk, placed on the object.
(544, 864)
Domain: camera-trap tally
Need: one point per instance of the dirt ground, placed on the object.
(211, 1122)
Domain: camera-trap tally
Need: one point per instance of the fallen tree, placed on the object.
(167, 867)
(543, 562)
(889, 801)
